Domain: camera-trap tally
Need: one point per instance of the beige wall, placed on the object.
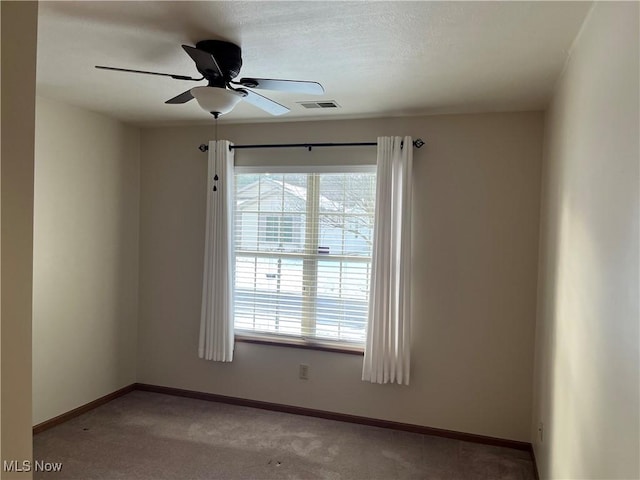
(85, 258)
(475, 271)
(19, 33)
(587, 360)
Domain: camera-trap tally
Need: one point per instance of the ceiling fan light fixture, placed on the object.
(215, 99)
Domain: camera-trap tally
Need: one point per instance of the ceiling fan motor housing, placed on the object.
(227, 54)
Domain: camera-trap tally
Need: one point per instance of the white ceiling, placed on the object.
(373, 58)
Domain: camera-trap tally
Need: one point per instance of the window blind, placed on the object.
(303, 253)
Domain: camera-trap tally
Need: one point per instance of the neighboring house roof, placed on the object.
(248, 196)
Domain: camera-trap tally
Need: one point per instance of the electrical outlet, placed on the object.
(303, 372)
(541, 431)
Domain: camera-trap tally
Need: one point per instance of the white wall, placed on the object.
(587, 359)
(475, 272)
(85, 257)
(19, 39)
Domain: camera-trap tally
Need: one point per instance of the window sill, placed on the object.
(299, 343)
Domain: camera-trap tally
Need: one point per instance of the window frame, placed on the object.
(284, 340)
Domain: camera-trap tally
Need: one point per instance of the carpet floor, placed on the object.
(145, 435)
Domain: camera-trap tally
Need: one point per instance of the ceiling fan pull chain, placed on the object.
(215, 153)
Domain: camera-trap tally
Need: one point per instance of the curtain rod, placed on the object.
(417, 143)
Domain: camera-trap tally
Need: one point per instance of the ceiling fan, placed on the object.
(219, 63)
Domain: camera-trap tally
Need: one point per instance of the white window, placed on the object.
(303, 244)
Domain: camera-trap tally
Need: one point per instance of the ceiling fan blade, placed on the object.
(177, 77)
(266, 104)
(184, 97)
(205, 62)
(295, 86)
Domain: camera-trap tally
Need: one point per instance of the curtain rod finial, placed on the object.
(418, 143)
(203, 147)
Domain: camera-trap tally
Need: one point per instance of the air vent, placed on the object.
(321, 104)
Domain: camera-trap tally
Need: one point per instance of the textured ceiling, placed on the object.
(373, 58)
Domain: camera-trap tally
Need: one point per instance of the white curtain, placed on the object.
(386, 357)
(216, 322)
